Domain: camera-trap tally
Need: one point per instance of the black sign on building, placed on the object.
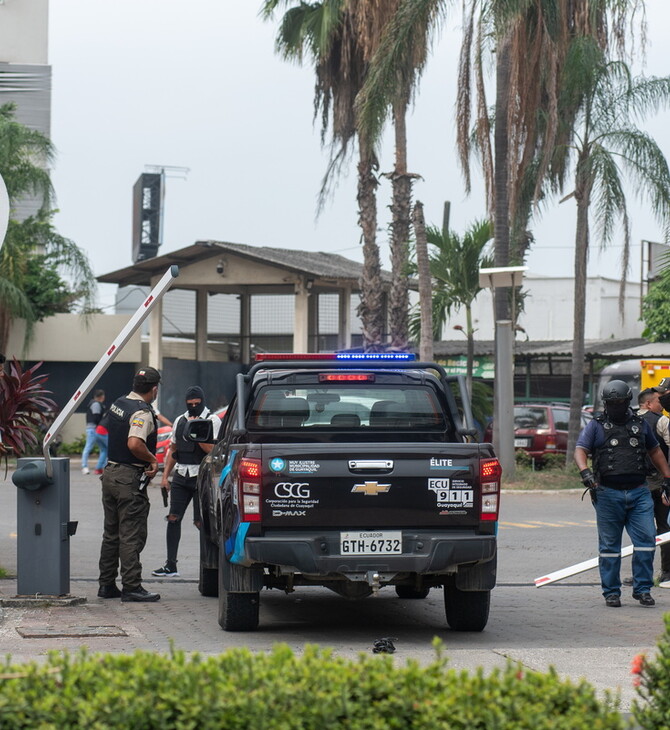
(147, 215)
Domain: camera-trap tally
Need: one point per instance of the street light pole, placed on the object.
(503, 390)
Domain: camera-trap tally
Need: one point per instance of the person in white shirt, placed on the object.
(184, 457)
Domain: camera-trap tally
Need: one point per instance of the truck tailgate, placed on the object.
(371, 485)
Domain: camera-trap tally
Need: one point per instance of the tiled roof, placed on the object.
(316, 263)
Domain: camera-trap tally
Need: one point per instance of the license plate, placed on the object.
(372, 542)
(520, 443)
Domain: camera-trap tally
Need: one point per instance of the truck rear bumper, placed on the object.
(424, 552)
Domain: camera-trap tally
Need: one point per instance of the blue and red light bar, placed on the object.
(336, 356)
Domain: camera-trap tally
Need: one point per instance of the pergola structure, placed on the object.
(215, 267)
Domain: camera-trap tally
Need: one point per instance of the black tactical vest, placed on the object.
(94, 417)
(188, 452)
(118, 424)
(624, 451)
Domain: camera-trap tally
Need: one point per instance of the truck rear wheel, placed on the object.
(208, 583)
(409, 592)
(466, 610)
(237, 611)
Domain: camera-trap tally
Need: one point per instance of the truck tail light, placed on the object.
(249, 486)
(490, 473)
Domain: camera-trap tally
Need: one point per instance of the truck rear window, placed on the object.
(364, 406)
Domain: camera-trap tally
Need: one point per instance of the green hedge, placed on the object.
(240, 689)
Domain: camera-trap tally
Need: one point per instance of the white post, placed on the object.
(201, 300)
(504, 395)
(344, 332)
(301, 318)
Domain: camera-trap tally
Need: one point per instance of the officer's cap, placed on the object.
(147, 376)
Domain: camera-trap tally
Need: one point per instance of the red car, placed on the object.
(541, 429)
(165, 434)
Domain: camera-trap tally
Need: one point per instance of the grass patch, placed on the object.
(547, 478)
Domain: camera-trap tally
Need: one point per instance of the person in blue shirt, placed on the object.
(620, 445)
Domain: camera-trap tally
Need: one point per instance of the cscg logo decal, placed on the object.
(286, 490)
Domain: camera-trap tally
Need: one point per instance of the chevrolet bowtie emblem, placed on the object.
(371, 489)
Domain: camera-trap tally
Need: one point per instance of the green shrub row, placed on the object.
(317, 690)
(652, 709)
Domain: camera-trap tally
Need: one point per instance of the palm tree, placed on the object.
(607, 144)
(531, 39)
(399, 57)
(34, 241)
(329, 32)
(425, 320)
(454, 266)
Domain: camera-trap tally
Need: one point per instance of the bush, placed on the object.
(239, 689)
(652, 678)
(523, 458)
(74, 447)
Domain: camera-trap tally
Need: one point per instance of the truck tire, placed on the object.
(208, 583)
(409, 592)
(466, 610)
(237, 611)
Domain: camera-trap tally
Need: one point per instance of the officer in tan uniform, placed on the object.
(132, 463)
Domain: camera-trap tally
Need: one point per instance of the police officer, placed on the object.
(618, 442)
(651, 410)
(184, 457)
(132, 463)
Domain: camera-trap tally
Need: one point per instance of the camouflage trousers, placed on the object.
(126, 510)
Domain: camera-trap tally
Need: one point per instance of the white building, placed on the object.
(548, 310)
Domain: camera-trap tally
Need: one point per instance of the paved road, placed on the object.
(565, 625)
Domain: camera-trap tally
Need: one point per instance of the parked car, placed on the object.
(165, 434)
(541, 428)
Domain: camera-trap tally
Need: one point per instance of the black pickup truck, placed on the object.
(353, 475)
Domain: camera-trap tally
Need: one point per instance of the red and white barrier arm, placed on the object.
(107, 359)
(588, 564)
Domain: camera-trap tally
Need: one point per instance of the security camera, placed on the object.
(220, 267)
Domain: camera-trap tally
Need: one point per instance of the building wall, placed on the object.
(24, 27)
(549, 309)
(73, 338)
(25, 76)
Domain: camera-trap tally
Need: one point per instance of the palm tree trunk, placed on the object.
(501, 139)
(469, 331)
(400, 226)
(370, 308)
(425, 284)
(577, 368)
(5, 322)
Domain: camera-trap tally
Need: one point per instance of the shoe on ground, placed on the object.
(628, 581)
(139, 595)
(664, 577)
(613, 601)
(85, 470)
(167, 571)
(98, 471)
(645, 599)
(109, 591)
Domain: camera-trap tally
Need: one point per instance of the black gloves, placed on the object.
(665, 486)
(589, 481)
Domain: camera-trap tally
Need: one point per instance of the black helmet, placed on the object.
(616, 390)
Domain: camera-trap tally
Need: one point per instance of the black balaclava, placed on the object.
(195, 391)
(617, 411)
(664, 399)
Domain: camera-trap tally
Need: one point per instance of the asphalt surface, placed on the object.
(565, 625)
